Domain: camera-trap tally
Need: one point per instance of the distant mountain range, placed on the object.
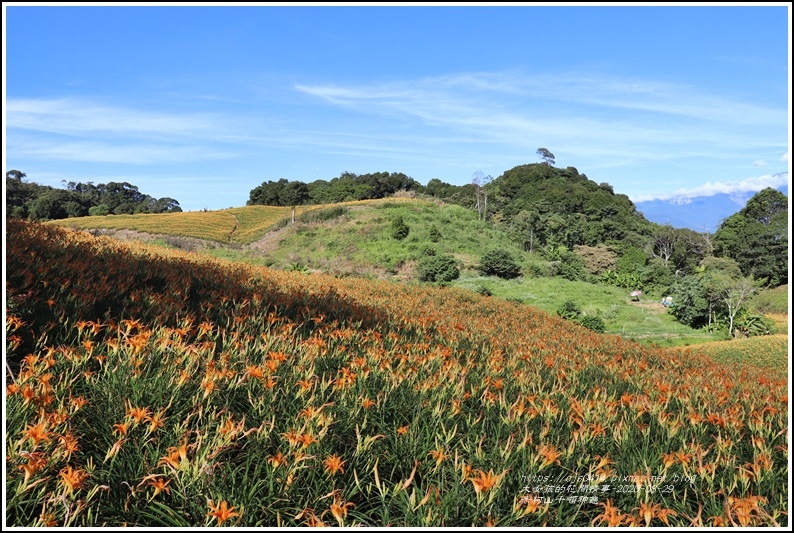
(700, 213)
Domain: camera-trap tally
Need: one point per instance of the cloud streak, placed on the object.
(76, 117)
(433, 125)
(610, 118)
(749, 185)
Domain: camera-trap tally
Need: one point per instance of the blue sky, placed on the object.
(204, 103)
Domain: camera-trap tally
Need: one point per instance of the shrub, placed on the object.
(572, 267)
(569, 310)
(594, 323)
(499, 263)
(482, 290)
(99, 210)
(747, 324)
(399, 229)
(441, 268)
(427, 251)
(435, 234)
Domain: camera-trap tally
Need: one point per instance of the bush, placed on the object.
(747, 324)
(690, 306)
(569, 310)
(100, 210)
(399, 229)
(435, 234)
(482, 290)
(427, 251)
(594, 323)
(440, 268)
(572, 267)
(499, 263)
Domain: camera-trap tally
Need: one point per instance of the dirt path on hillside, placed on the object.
(270, 241)
(234, 229)
(653, 307)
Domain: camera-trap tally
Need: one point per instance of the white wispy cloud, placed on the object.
(452, 121)
(70, 116)
(128, 153)
(614, 119)
(749, 185)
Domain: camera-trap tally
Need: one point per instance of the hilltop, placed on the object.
(342, 238)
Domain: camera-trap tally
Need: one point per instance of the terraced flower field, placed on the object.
(148, 387)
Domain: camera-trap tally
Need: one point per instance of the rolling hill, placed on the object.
(152, 387)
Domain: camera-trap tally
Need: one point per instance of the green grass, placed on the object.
(645, 321)
(771, 301)
(360, 240)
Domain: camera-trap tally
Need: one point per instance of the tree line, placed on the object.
(26, 199)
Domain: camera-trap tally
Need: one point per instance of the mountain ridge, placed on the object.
(699, 213)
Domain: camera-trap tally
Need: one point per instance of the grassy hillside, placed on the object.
(237, 225)
(646, 321)
(351, 237)
(356, 238)
(360, 239)
(158, 388)
(774, 304)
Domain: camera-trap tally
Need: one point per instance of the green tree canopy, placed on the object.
(757, 237)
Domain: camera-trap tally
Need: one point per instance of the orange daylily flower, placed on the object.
(648, 511)
(339, 509)
(597, 429)
(35, 461)
(77, 402)
(662, 515)
(611, 515)
(549, 454)
(292, 437)
(367, 403)
(483, 482)
(160, 485)
(439, 455)
(70, 444)
(38, 433)
(307, 439)
(334, 464)
(138, 414)
(255, 372)
(121, 428)
(155, 421)
(71, 478)
(176, 456)
(277, 460)
(531, 504)
(221, 511)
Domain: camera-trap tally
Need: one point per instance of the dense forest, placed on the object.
(26, 199)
